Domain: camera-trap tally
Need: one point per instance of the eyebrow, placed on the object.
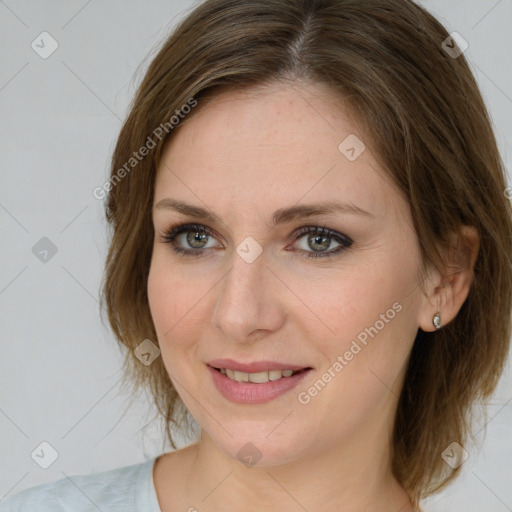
(280, 216)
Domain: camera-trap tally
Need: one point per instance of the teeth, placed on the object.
(242, 376)
(259, 377)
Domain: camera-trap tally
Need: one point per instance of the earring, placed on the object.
(437, 320)
(437, 317)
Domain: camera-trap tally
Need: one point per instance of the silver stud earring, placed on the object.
(437, 320)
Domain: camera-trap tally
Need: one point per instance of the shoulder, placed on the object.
(123, 489)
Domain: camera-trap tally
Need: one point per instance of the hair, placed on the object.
(423, 113)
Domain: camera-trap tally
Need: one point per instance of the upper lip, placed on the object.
(255, 366)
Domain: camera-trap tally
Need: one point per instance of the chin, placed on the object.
(261, 444)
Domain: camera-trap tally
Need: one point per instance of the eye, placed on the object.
(320, 239)
(195, 239)
(188, 239)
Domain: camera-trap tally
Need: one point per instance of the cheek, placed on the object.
(367, 319)
(161, 303)
(349, 303)
(177, 301)
(168, 297)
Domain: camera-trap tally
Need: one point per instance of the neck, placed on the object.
(355, 479)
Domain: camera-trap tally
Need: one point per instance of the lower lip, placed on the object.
(252, 393)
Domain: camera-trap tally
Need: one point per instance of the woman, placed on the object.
(304, 260)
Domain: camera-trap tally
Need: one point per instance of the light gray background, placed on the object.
(59, 366)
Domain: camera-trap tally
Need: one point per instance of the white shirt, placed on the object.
(126, 489)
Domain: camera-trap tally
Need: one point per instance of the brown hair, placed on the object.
(423, 113)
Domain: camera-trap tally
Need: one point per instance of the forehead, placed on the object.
(271, 147)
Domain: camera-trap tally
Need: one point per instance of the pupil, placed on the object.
(318, 240)
(196, 238)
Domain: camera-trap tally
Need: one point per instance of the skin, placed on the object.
(245, 155)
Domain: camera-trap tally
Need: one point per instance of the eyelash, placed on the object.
(169, 235)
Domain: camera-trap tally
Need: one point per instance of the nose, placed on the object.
(250, 301)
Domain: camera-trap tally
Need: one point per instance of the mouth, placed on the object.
(258, 377)
(255, 383)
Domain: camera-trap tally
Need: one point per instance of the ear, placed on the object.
(448, 290)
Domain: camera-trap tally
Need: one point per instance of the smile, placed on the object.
(254, 383)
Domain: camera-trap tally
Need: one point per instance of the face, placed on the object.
(268, 282)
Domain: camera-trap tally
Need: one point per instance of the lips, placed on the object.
(257, 382)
